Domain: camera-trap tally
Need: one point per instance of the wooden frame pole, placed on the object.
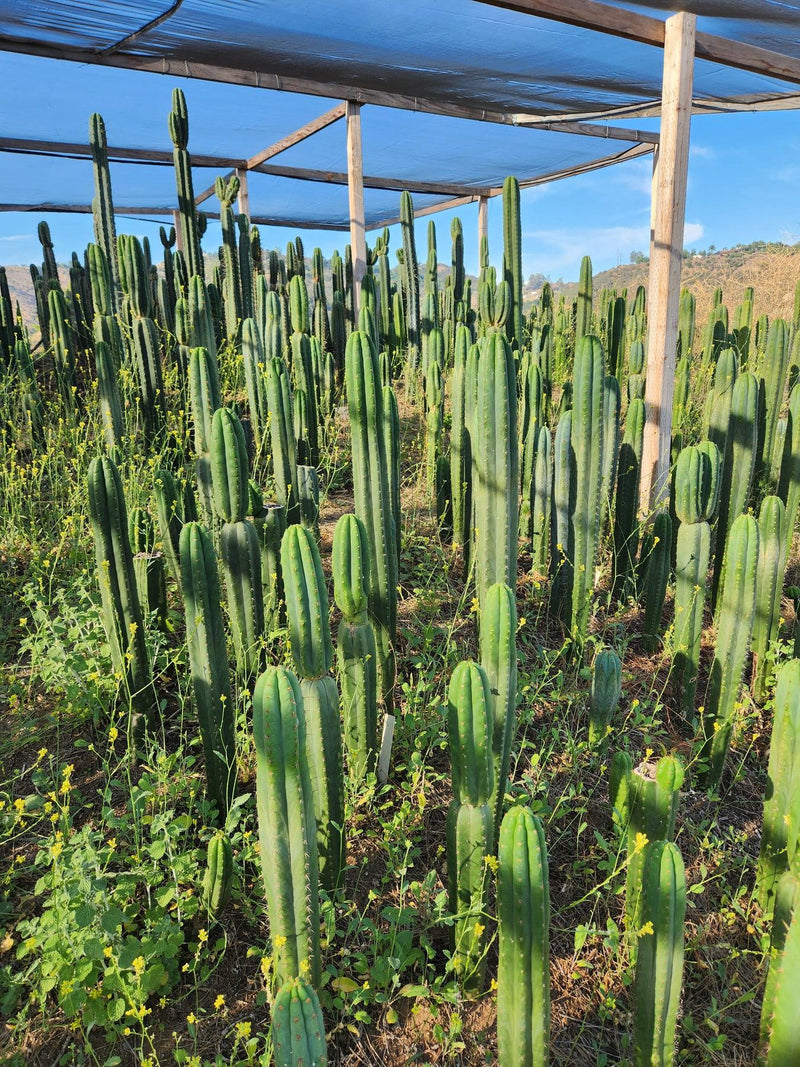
(483, 218)
(664, 283)
(244, 192)
(355, 189)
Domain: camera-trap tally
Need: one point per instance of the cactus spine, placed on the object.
(286, 828)
(208, 659)
(470, 823)
(659, 964)
(523, 906)
(734, 625)
(312, 652)
(779, 838)
(122, 613)
(298, 1028)
(373, 502)
(357, 654)
(496, 468)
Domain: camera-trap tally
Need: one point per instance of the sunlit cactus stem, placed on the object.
(298, 1027)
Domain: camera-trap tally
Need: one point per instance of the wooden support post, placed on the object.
(483, 219)
(244, 192)
(355, 188)
(176, 222)
(664, 283)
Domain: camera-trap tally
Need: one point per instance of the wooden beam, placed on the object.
(169, 212)
(483, 218)
(591, 15)
(244, 192)
(586, 129)
(149, 156)
(288, 141)
(664, 283)
(355, 189)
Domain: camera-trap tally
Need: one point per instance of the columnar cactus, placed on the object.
(523, 977)
(227, 191)
(583, 319)
(587, 447)
(779, 838)
(646, 801)
(563, 485)
(298, 1028)
(461, 446)
(769, 587)
(784, 1025)
(218, 874)
(695, 498)
(373, 503)
(122, 613)
(655, 563)
(496, 456)
(179, 132)
(470, 822)
(659, 964)
(105, 231)
(410, 272)
(286, 827)
(786, 900)
(611, 412)
(170, 515)
(108, 396)
(208, 659)
(282, 437)
(308, 496)
(312, 652)
(255, 381)
(148, 564)
(772, 385)
(606, 691)
(498, 654)
(391, 440)
(789, 482)
(734, 624)
(512, 258)
(271, 526)
(355, 645)
(626, 517)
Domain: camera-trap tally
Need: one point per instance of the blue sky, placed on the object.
(744, 176)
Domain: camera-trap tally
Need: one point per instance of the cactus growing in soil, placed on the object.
(659, 964)
(769, 586)
(298, 1027)
(470, 822)
(105, 231)
(586, 439)
(779, 838)
(122, 613)
(783, 1026)
(734, 624)
(626, 520)
(373, 497)
(312, 652)
(355, 644)
(208, 659)
(496, 458)
(606, 690)
(254, 363)
(218, 874)
(498, 654)
(783, 906)
(523, 978)
(286, 828)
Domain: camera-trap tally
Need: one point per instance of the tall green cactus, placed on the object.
(789, 481)
(734, 624)
(498, 654)
(523, 977)
(606, 690)
(204, 401)
(786, 900)
(781, 831)
(355, 645)
(298, 1027)
(179, 132)
(122, 614)
(170, 514)
(659, 964)
(583, 320)
(148, 564)
(218, 873)
(282, 437)
(512, 258)
(470, 822)
(373, 502)
(461, 446)
(561, 564)
(208, 659)
(769, 587)
(109, 402)
(696, 496)
(105, 230)
(391, 440)
(784, 1025)
(655, 564)
(587, 446)
(773, 385)
(286, 828)
(626, 512)
(410, 272)
(312, 652)
(496, 457)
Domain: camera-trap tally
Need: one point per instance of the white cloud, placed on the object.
(16, 237)
(559, 252)
(701, 151)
